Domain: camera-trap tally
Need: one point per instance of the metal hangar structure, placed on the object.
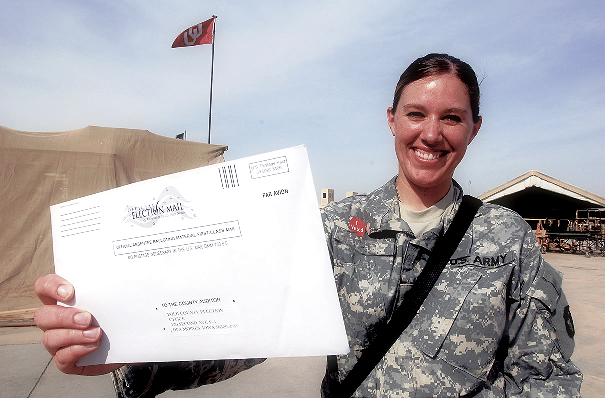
(564, 217)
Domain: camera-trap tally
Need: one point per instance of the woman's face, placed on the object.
(432, 126)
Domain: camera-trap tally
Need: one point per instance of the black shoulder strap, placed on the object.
(413, 299)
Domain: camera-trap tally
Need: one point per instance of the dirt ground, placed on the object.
(584, 286)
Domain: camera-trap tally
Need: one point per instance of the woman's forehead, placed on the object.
(445, 87)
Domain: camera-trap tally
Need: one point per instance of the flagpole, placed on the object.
(211, 78)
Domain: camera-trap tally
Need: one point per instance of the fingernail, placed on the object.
(64, 291)
(92, 333)
(82, 318)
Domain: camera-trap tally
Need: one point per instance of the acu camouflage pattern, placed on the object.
(486, 328)
(149, 380)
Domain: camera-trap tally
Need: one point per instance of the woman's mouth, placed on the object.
(427, 155)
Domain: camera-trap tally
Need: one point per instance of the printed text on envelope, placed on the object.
(178, 238)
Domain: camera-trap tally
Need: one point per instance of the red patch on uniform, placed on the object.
(357, 226)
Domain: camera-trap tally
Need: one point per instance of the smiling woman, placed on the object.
(491, 323)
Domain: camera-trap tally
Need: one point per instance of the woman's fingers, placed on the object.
(55, 340)
(59, 317)
(66, 358)
(52, 288)
(68, 346)
(68, 332)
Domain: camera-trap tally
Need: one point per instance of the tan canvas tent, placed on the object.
(38, 170)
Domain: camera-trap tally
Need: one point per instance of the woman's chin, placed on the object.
(429, 183)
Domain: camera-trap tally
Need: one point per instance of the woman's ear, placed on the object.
(391, 119)
(476, 128)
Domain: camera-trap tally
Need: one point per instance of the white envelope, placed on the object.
(223, 261)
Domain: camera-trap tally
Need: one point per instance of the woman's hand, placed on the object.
(68, 334)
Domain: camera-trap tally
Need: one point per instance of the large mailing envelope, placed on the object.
(225, 261)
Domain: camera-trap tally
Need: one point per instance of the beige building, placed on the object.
(327, 196)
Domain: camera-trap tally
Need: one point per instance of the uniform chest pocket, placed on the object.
(464, 318)
(364, 261)
(365, 279)
(349, 248)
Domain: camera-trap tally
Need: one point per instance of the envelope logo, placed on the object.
(170, 203)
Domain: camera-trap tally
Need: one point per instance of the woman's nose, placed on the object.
(432, 132)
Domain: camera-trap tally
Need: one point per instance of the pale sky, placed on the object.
(319, 73)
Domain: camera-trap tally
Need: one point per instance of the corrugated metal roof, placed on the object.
(534, 178)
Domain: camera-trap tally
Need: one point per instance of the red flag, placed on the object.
(196, 35)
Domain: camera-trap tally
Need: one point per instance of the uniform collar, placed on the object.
(381, 210)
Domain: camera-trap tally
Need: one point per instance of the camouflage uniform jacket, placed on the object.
(496, 323)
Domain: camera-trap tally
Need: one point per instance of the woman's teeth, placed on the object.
(426, 155)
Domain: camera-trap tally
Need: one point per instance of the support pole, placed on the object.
(211, 79)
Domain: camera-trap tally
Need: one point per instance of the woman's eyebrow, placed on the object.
(456, 110)
(419, 106)
(412, 105)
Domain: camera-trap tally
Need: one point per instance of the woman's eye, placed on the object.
(415, 115)
(453, 118)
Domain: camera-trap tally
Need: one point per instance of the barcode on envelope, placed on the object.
(228, 175)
